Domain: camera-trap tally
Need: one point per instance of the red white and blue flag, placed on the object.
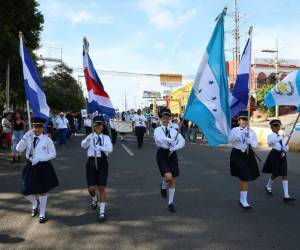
(98, 99)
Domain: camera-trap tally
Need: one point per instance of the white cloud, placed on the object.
(165, 14)
(77, 14)
(84, 16)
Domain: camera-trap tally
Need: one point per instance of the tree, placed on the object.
(261, 98)
(15, 16)
(62, 91)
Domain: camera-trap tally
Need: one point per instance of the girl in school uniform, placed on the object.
(242, 159)
(98, 145)
(168, 141)
(38, 176)
(276, 163)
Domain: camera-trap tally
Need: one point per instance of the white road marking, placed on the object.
(127, 150)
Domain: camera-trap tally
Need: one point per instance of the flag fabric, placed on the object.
(98, 99)
(208, 104)
(286, 92)
(34, 90)
(240, 94)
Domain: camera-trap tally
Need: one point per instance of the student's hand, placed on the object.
(28, 135)
(172, 149)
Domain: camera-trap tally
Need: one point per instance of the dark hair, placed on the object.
(20, 113)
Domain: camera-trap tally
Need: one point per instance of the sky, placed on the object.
(158, 36)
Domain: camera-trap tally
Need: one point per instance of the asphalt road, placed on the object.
(208, 214)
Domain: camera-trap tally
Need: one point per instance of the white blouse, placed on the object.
(240, 138)
(277, 142)
(44, 149)
(162, 140)
(95, 143)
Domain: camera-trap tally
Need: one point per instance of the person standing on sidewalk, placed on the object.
(18, 133)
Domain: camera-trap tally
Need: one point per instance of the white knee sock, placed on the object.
(243, 198)
(33, 200)
(102, 207)
(164, 184)
(171, 195)
(285, 185)
(269, 184)
(43, 204)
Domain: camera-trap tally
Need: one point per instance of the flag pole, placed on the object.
(27, 102)
(250, 78)
(292, 131)
(86, 50)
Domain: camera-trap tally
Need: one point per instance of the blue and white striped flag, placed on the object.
(208, 104)
(33, 85)
(286, 92)
(240, 94)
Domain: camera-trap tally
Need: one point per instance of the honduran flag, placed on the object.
(34, 90)
(208, 104)
(98, 99)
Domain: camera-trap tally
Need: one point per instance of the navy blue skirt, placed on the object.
(39, 178)
(167, 163)
(243, 165)
(276, 164)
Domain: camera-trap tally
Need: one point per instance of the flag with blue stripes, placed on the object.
(208, 104)
(33, 85)
(240, 94)
(285, 92)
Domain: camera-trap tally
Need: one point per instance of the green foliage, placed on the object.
(261, 94)
(15, 16)
(62, 91)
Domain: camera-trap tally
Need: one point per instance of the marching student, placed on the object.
(38, 176)
(168, 141)
(139, 122)
(98, 147)
(276, 163)
(242, 159)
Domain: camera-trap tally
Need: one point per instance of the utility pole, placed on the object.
(236, 39)
(276, 65)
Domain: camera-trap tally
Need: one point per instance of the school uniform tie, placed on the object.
(35, 141)
(166, 131)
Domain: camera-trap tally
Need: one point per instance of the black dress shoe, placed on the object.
(269, 192)
(94, 205)
(245, 207)
(163, 192)
(35, 211)
(289, 199)
(171, 208)
(43, 220)
(102, 217)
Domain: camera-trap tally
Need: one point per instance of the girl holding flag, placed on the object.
(276, 163)
(38, 176)
(242, 159)
(98, 147)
